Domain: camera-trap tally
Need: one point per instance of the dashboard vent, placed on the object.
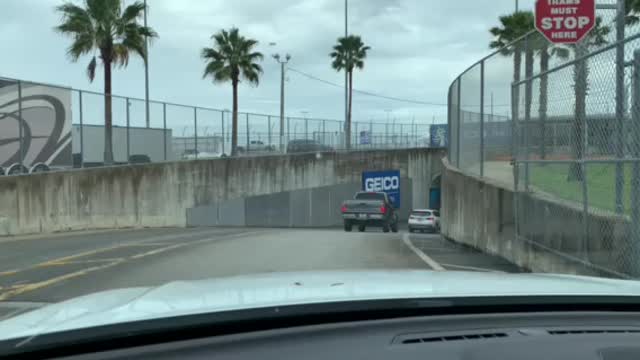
(461, 337)
(593, 331)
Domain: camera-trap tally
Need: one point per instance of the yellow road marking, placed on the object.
(35, 286)
(84, 254)
(72, 262)
(7, 273)
(24, 288)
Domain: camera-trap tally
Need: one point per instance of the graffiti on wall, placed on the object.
(35, 124)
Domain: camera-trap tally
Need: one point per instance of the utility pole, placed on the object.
(517, 9)
(146, 69)
(283, 63)
(346, 72)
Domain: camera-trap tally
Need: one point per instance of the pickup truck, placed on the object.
(370, 209)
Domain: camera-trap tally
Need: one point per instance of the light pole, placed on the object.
(283, 62)
(146, 70)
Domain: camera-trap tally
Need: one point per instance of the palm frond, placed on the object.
(133, 12)
(121, 55)
(91, 69)
(232, 58)
(349, 53)
(104, 26)
(511, 27)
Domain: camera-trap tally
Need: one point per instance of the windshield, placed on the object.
(369, 196)
(421, 213)
(165, 158)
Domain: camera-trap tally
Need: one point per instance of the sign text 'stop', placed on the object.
(565, 21)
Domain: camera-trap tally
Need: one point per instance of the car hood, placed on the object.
(281, 289)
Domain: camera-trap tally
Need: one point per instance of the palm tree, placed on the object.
(232, 58)
(596, 38)
(349, 54)
(106, 30)
(632, 8)
(513, 27)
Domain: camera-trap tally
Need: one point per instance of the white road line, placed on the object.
(432, 263)
(474, 268)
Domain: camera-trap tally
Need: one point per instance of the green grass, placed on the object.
(552, 178)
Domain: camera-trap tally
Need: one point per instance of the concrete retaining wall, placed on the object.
(317, 207)
(480, 213)
(158, 195)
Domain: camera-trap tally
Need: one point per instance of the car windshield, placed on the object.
(168, 158)
(369, 196)
(421, 214)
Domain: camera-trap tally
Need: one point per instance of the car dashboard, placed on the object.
(525, 336)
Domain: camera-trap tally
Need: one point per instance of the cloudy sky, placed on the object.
(418, 47)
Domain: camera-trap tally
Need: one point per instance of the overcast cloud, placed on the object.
(418, 48)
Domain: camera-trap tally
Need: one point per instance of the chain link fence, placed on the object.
(560, 125)
(45, 127)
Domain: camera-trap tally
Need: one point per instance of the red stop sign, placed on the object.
(565, 21)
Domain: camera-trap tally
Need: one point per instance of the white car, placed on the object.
(199, 155)
(424, 219)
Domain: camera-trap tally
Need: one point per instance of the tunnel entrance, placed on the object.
(435, 194)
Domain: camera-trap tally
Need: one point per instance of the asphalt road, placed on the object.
(46, 269)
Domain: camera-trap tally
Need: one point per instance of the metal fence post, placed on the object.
(357, 139)
(288, 130)
(247, 126)
(585, 211)
(306, 128)
(620, 100)
(635, 175)
(458, 123)
(195, 130)
(386, 134)
(20, 127)
(269, 131)
(482, 118)
(164, 127)
(324, 132)
(128, 134)
(528, 95)
(81, 114)
(223, 134)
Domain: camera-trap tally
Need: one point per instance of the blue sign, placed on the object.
(383, 181)
(439, 136)
(365, 138)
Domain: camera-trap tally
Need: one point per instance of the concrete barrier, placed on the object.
(480, 213)
(158, 195)
(308, 208)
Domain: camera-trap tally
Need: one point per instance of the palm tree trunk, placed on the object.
(528, 97)
(543, 100)
(581, 74)
(515, 97)
(348, 130)
(108, 115)
(234, 126)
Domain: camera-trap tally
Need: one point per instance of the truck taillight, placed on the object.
(383, 209)
(343, 209)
